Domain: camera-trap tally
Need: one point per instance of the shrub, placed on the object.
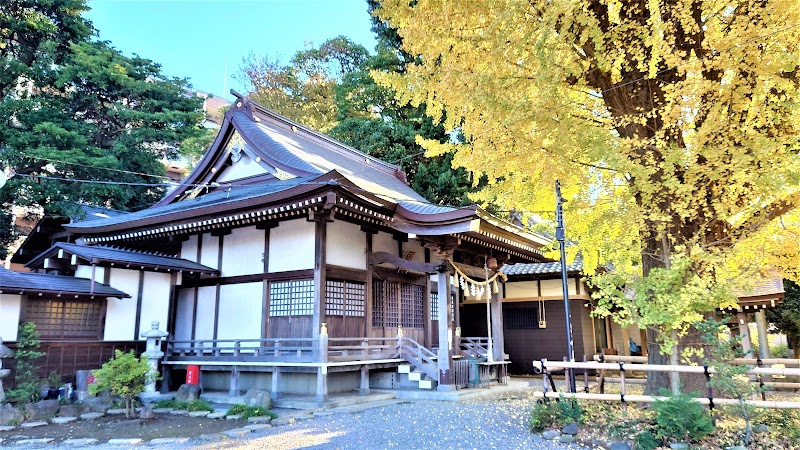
(646, 440)
(125, 375)
(27, 382)
(683, 418)
(547, 413)
(250, 411)
(199, 405)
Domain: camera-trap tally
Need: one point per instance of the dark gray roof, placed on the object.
(91, 212)
(32, 283)
(220, 197)
(549, 268)
(312, 153)
(424, 207)
(123, 258)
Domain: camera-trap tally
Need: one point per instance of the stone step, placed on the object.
(63, 420)
(32, 424)
(35, 441)
(125, 441)
(80, 442)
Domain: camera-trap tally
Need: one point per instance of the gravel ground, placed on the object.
(470, 424)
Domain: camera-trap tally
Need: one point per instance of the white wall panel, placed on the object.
(240, 311)
(384, 242)
(184, 313)
(189, 248)
(243, 252)
(346, 245)
(521, 289)
(243, 168)
(155, 301)
(414, 246)
(206, 299)
(10, 305)
(291, 246)
(121, 313)
(84, 271)
(553, 287)
(210, 251)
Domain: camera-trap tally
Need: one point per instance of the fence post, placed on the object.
(323, 343)
(585, 377)
(622, 389)
(709, 393)
(277, 349)
(761, 377)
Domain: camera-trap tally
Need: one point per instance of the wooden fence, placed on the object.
(549, 390)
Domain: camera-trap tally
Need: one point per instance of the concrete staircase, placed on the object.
(415, 377)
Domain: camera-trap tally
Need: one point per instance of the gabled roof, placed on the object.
(108, 256)
(39, 283)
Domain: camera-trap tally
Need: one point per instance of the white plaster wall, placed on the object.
(240, 311)
(346, 245)
(553, 287)
(183, 315)
(189, 249)
(291, 246)
(384, 242)
(243, 252)
(521, 289)
(9, 316)
(206, 299)
(210, 251)
(243, 168)
(83, 271)
(121, 313)
(155, 301)
(414, 246)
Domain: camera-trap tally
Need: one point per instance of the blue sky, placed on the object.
(194, 38)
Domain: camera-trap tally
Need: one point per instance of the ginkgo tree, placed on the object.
(673, 125)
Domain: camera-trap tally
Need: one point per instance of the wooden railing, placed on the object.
(474, 347)
(283, 349)
(370, 348)
(548, 386)
(461, 372)
(419, 356)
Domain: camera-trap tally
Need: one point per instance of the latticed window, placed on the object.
(344, 298)
(396, 304)
(64, 319)
(291, 298)
(520, 318)
(434, 306)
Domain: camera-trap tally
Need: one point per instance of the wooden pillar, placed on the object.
(321, 221)
(497, 325)
(322, 384)
(444, 356)
(276, 382)
(626, 347)
(744, 332)
(368, 294)
(364, 387)
(428, 338)
(763, 341)
(234, 390)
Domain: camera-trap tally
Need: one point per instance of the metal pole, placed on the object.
(560, 238)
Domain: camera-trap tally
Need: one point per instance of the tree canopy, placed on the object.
(92, 128)
(672, 124)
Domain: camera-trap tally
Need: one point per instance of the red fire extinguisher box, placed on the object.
(192, 374)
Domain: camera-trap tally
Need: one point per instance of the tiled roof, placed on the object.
(123, 258)
(762, 287)
(186, 207)
(31, 283)
(92, 212)
(549, 268)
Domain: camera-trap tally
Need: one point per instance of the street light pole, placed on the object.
(560, 237)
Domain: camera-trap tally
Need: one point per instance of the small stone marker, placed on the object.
(80, 442)
(92, 416)
(258, 426)
(116, 411)
(125, 441)
(63, 420)
(566, 439)
(162, 441)
(198, 413)
(35, 441)
(234, 417)
(259, 419)
(237, 432)
(147, 413)
(216, 415)
(32, 424)
(551, 434)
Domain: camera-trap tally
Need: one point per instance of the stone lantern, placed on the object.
(154, 354)
(5, 352)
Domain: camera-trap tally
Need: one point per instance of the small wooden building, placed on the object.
(289, 261)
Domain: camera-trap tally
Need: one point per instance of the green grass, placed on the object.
(250, 411)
